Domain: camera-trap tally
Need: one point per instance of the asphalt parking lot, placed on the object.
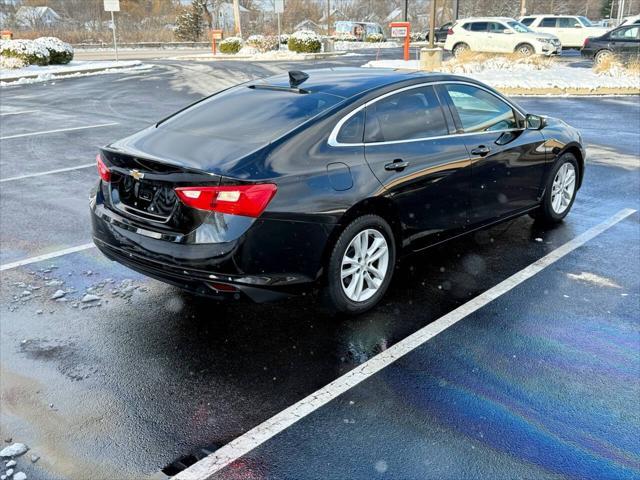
(543, 381)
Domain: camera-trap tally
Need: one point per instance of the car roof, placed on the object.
(349, 81)
(486, 19)
(537, 15)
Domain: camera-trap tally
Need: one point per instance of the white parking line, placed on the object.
(48, 172)
(31, 134)
(242, 445)
(2, 114)
(46, 256)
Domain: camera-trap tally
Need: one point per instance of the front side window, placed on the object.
(548, 22)
(625, 33)
(568, 22)
(352, 130)
(408, 115)
(479, 110)
(495, 27)
(527, 21)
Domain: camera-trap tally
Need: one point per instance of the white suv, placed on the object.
(570, 29)
(499, 35)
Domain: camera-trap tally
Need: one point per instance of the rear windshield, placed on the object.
(250, 115)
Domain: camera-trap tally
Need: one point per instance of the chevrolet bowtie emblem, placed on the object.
(138, 175)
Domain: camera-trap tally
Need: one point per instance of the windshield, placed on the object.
(585, 21)
(250, 115)
(519, 27)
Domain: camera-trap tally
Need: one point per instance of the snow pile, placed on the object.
(28, 51)
(527, 76)
(305, 41)
(59, 52)
(36, 74)
(509, 63)
(342, 45)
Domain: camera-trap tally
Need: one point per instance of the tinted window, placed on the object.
(548, 22)
(478, 26)
(480, 111)
(566, 22)
(250, 115)
(585, 21)
(407, 115)
(527, 21)
(353, 129)
(495, 27)
(625, 33)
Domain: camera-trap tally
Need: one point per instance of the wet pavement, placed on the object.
(120, 386)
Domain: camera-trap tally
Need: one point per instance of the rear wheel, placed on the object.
(459, 49)
(603, 56)
(525, 50)
(560, 191)
(361, 265)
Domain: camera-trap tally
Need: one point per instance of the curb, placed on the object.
(70, 72)
(304, 56)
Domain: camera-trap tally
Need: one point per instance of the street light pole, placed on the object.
(406, 10)
(432, 24)
(328, 17)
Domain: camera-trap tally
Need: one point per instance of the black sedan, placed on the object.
(622, 42)
(323, 179)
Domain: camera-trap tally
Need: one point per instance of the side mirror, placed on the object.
(535, 122)
(507, 31)
(577, 25)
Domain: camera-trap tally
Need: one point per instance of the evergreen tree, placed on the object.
(189, 21)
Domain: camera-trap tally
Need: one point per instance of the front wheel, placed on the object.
(361, 265)
(561, 189)
(525, 50)
(603, 56)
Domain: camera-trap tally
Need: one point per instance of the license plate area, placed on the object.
(146, 199)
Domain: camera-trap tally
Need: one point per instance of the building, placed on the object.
(36, 17)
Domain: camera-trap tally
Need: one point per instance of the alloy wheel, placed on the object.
(563, 188)
(364, 265)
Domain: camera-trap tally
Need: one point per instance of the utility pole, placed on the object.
(406, 10)
(432, 24)
(456, 9)
(328, 17)
(236, 17)
(523, 7)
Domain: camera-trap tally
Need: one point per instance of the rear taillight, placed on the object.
(103, 170)
(586, 43)
(246, 200)
(450, 31)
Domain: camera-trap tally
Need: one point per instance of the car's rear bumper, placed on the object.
(271, 259)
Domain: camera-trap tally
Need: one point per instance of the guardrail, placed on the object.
(80, 46)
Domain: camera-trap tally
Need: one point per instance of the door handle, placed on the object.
(481, 150)
(398, 165)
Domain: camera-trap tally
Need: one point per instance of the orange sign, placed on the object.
(400, 30)
(6, 35)
(216, 34)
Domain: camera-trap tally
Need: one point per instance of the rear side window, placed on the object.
(480, 111)
(527, 21)
(477, 26)
(548, 22)
(408, 115)
(250, 115)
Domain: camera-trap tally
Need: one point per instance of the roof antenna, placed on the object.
(296, 77)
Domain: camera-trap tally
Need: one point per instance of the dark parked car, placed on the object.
(324, 179)
(622, 42)
(442, 31)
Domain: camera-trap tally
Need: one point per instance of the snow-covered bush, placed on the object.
(284, 38)
(419, 36)
(28, 51)
(11, 62)
(305, 41)
(231, 45)
(262, 44)
(59, 52)
(375, 38)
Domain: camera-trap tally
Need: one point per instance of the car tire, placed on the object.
(459, 49)
(346, 265)
(560, 191)
(525, 50)
(602, 56)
